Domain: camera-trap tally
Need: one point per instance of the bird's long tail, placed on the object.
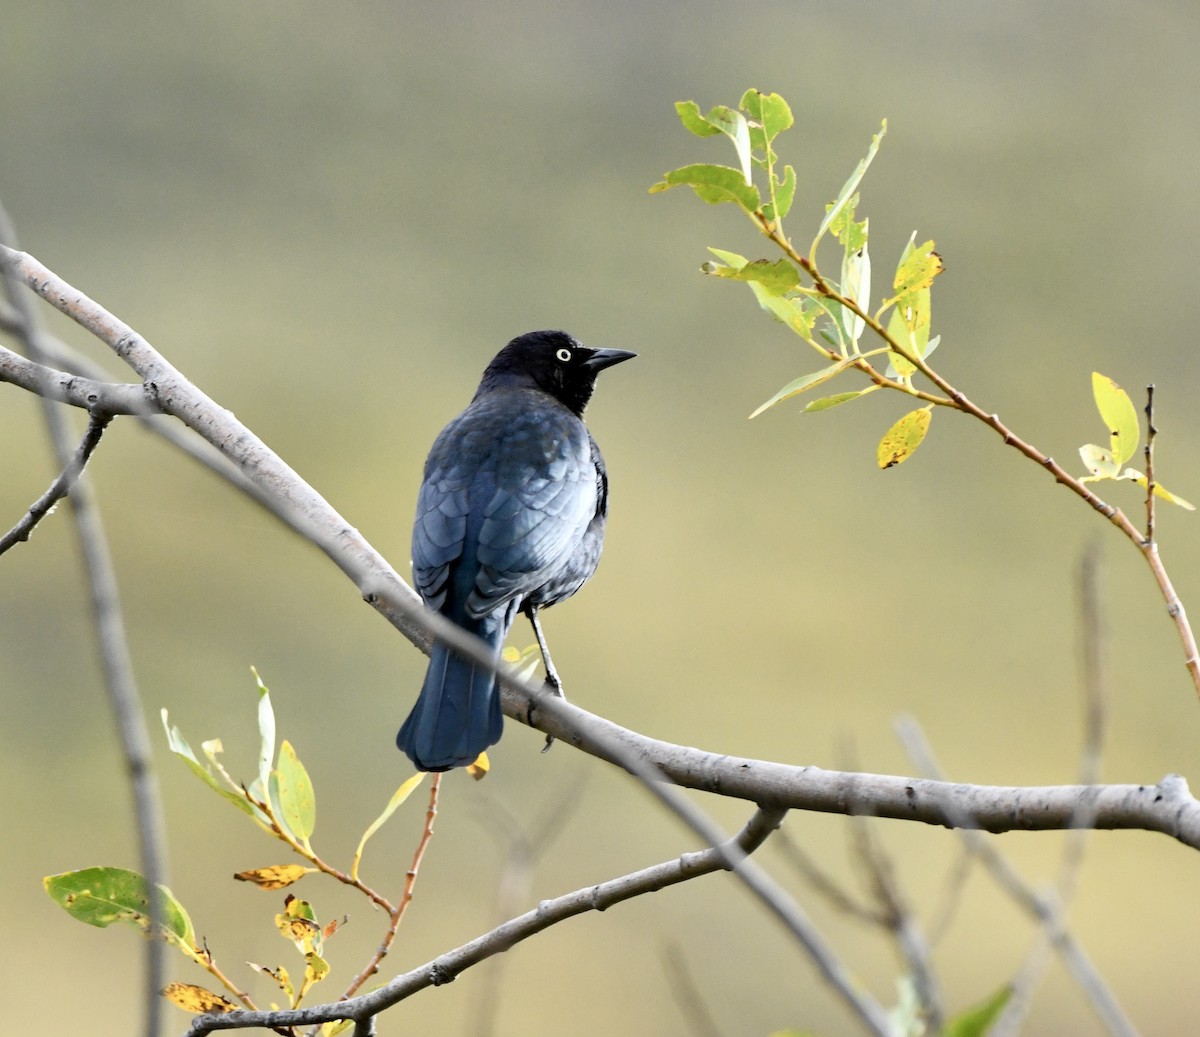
(457, 714)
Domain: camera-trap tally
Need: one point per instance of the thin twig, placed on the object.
(1047, 910)
(410, 882)
(59, 488)
(1151, 432)
(124, 700)
(686, 994)
(513, 888)
(899, 920)
(823, 884)
(1093, 636)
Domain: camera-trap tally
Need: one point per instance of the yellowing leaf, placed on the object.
(334, 1028)
(1159, 489)
(398, 797)
(297, 802)
(277, 876)
(918, 266)
(196, 1000)
(1118, 413)
(279, 975)
(316, 969)
(298, 923)
(899, 442)
(1098, 461)
(479, 769)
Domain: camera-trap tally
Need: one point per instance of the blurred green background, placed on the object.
(331, 216)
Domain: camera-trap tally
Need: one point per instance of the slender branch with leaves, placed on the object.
(832, 316)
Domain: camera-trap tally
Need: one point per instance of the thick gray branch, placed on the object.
(1167, 807)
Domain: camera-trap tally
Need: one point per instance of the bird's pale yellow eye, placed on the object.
(564, 355)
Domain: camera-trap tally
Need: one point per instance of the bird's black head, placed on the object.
(554, 362)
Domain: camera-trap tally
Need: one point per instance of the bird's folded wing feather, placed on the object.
(511, 500)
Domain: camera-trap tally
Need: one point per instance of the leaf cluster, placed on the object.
(832, 313)
(281, 800)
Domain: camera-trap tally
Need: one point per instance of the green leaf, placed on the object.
(850, 232)
(770, 112)
(733, 124)
(776, 276)
(524, 661)
(1118, 413)
(794, 311)
(785, 192)
(976, 1021)
(729, 258)
(825, 402)
(803, 384)
(712, 184)
(856, 285)
(179, 746)
(902, 439)
(294, 794)
(266, 732)
(908, 325)
(850, 186)
(720, 119)
(689, 115)
(102, 896)
(398, 797)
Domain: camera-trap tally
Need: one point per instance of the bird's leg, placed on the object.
(552, 678)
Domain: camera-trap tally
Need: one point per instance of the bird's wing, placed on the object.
(536, 508)
(510, 487)
(440, 528)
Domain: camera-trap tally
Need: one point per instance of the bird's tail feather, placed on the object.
(457, 715)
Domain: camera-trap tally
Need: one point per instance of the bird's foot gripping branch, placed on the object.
(885, 336)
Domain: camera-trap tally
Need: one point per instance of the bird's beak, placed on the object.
(602, 358)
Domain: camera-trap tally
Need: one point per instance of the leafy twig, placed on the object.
(446, 967)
